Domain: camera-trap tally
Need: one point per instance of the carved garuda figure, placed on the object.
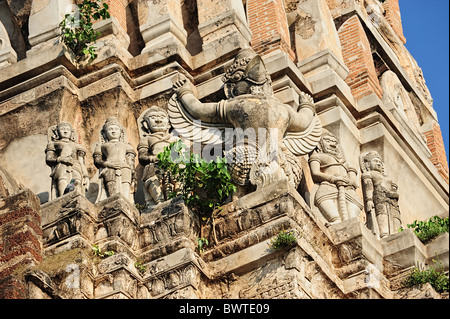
(262, 136)
(154, 135)
(114, 158)
(380, 196)
(335, 197)
(66, 159)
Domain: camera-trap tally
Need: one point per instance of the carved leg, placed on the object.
(353, 210)
(111, 188)
(329, 210)
(383, 224)
(62, 183)
(397, 224)
(126, 190)
(153, 185)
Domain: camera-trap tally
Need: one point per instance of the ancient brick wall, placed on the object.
(117, 9)
(268, 23)
(436, 146)
(393, 16)
(357, 54)
(20, 240)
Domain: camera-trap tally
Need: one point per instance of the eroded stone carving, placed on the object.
(66, 159)
(7, 53)
(335, 197)
(393, 91)
(264, 129)
(154, 136)
(380, 196)
(114, 158)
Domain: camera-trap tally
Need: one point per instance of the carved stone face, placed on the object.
(157, 122)
(330, 144)
(64, 131)
(112, 132)
(241, 87)
(376, 164)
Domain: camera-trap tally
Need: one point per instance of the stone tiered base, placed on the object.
(156, 254)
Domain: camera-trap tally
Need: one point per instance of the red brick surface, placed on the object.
(357, 55)
(393, 16)
(268, 23)
(117, 9)
(436, 146)
(20, 241)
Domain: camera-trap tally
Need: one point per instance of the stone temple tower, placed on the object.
(85, 210)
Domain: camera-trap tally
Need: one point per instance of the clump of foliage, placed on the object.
(201, 244)
(140, 267)
(283, 239)
(98, 252)
(204, 185)
(429, 229)
(434, 275)
(77, 32)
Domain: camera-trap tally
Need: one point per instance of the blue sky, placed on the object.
(426, 29)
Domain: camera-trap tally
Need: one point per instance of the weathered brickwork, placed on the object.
(268, 23)
(436, 146)
(117, 9)
(20, 241)
(393, 16)
(357, 55)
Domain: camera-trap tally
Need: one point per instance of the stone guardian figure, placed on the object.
(66, 159)
(380, 196)
(154, 135)
(262, 136)
(335, 197)
(114, 158)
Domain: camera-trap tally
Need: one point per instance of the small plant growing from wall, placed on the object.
(434, 275)
(282, 240)
(140, 268)
(77, 32)
(102, 254)
(430, 228)
(201, 244)
(205, 186)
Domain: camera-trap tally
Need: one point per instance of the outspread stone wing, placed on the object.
(193, 129)
(302, 143)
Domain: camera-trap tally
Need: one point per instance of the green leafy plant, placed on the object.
(434, 275)
(98, 252)
(201, 244)
(283, 239)
(429, 229)
(140, 207)
(140, 267)
(77, 32)
(204, 185)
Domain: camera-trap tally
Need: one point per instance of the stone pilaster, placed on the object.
(222, 26)
(161, 24)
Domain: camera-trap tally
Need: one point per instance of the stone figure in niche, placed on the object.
(154, 135)
(420, 81)
(380, 196)
(394, 92)
(262, 136)
(114, 158)
(335, 197)
(66, 159)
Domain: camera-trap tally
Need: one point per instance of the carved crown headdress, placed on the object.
(53, 132)
(144, 129)
(247, 66)
(112, 120)
(365, 158)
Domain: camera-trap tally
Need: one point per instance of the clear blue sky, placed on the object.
(426, 29)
